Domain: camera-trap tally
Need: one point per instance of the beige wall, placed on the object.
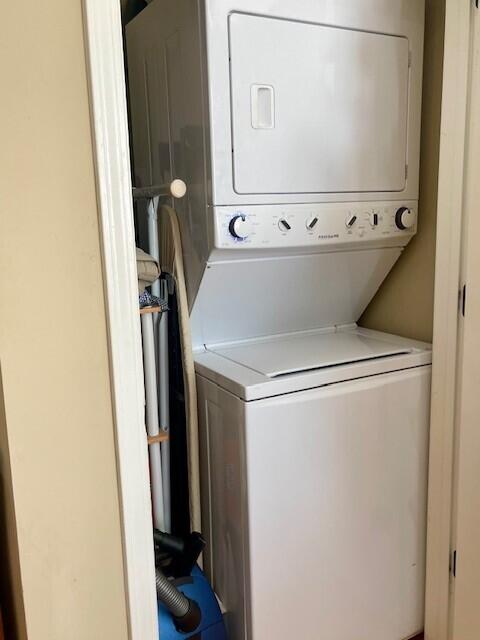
(53, 350)
(404, 304)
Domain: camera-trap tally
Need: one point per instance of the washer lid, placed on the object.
(285, 355)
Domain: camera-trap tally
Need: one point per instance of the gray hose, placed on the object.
(172, 598)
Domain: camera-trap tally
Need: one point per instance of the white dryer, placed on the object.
(314, 480)
(296, 126)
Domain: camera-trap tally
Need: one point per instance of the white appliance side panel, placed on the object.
(223, 494)
(317, 109)
(337, 486)
(169, 116)
(252, 298)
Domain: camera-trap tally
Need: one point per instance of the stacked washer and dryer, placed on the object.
(296, 125)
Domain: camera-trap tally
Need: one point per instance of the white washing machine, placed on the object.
(314, 482)
(296, 126)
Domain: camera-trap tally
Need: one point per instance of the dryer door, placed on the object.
(317, 109)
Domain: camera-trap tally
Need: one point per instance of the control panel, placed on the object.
(277, 226)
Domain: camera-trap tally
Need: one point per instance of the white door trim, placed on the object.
(103, 34)
(446, 315)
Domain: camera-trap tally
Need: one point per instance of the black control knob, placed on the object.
(240, 227)
(404, 218)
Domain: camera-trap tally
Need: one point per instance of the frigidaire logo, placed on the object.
(329, 236)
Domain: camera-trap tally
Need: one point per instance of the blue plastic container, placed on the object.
(197, 588)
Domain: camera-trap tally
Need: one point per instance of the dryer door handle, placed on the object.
(262, 98)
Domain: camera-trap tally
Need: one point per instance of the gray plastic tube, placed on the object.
(172, 598)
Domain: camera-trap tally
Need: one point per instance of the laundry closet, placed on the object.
(307, 134)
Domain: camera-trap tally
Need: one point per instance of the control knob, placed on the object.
(351, 220)
(404, 218)
(284, 225)
(240, 227)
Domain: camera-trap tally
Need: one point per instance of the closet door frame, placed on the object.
(103, 35)
(465, 612)
(109, 121)
(447, 313)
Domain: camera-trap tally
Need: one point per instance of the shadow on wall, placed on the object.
(11, 601)
(130, 8)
